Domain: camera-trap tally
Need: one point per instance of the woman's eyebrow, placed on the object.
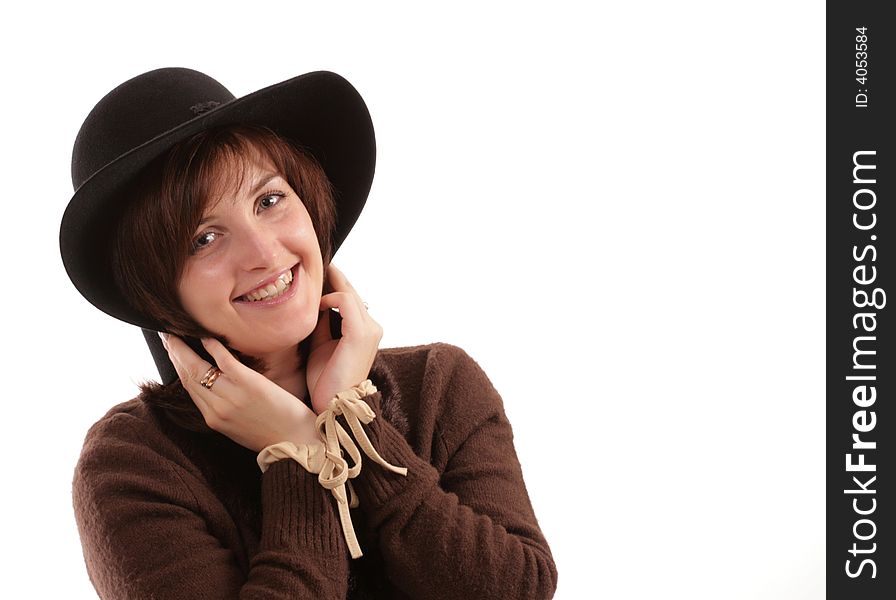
(262, 181)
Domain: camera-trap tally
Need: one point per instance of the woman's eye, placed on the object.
(203, 240)
(269, 200)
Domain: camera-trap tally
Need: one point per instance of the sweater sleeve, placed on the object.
(470, 532)
(144, 535)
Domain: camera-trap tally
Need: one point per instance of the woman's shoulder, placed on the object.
(439, 384)
(436, 368)
(121, 422)
(426, 358)
(129, 436)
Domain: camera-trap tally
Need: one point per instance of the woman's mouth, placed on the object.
(276, 290)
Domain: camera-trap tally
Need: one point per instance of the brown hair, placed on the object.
(166, 203)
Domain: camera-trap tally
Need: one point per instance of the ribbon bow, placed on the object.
(325, 457)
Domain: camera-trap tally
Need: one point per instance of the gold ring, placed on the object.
(208, 380)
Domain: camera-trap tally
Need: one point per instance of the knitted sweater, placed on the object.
(166, 512)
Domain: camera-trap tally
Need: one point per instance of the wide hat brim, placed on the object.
(320, 111)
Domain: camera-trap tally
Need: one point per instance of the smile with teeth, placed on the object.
(272, 290)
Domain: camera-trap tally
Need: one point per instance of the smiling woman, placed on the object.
(197, 215)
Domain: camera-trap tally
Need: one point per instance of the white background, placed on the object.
(617, 209)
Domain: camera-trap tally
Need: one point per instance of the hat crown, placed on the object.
(139, 110)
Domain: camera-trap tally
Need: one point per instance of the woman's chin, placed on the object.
(271, 344)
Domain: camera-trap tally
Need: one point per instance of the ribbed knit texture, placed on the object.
(168, 514)
(306, 519)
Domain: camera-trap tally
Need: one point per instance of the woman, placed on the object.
(197, 215)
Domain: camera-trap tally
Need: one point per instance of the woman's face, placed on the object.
(256, 272)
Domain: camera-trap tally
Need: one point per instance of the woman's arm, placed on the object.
(144, 534)
(471, 532)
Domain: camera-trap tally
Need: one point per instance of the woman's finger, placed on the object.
(193, 365)
(175, 347)
(339, 300)
(226, 361)
(339, 281)
(349, 306)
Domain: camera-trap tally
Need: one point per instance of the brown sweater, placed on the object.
(167, 512)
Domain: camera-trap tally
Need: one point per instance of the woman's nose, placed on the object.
(257, 249)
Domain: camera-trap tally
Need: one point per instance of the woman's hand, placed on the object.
(242, 404)
(337, 365)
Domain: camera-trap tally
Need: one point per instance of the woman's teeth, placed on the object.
(272, 290)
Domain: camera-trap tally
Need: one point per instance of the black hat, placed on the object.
(145, 116)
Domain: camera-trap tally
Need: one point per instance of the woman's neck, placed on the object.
(283, 368)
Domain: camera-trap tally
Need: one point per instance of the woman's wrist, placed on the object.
(329, 455)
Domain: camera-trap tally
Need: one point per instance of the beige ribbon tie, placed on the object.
(326, 456)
